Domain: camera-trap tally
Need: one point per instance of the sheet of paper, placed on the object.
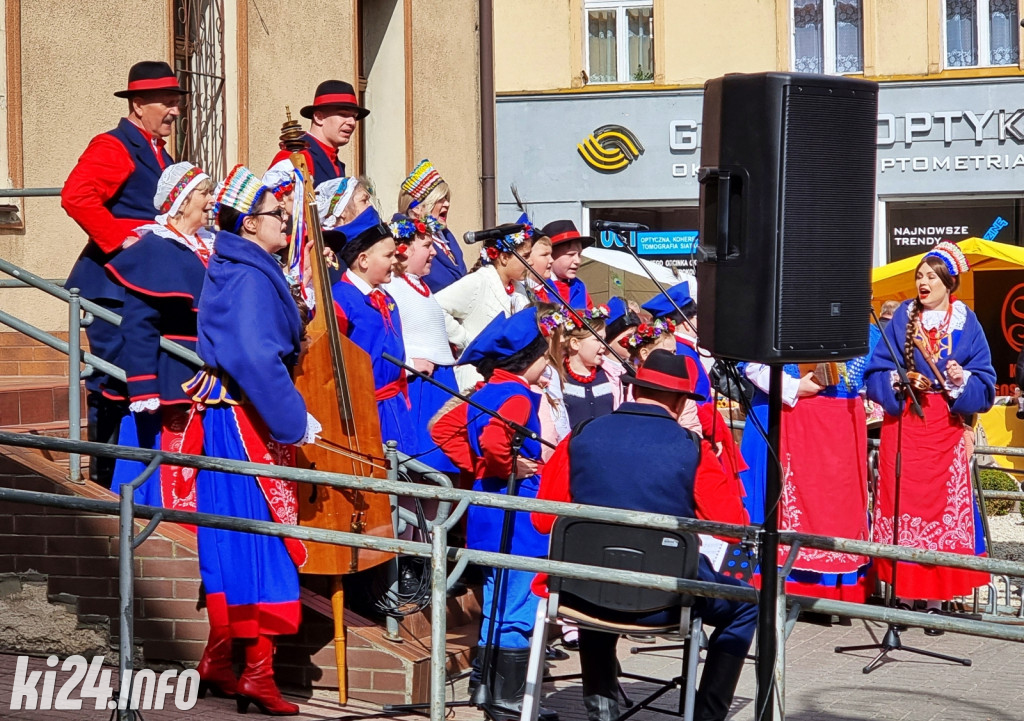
(714, 549)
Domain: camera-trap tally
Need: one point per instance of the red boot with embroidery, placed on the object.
(256, 686)
(215, 672)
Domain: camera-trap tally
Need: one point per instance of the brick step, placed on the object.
(33, 401)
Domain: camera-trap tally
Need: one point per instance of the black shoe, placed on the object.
(640, 637)
(573, 645)
(554, 654)
(901, 627)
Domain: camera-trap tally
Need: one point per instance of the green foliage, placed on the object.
(640, 75)
(993, 480)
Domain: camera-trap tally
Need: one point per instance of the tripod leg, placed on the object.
(877, 660)
(940, 656)
(864, 647)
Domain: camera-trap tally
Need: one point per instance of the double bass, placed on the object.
(335, 377)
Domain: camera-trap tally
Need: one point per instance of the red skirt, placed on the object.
(936, 510)
(825, 488)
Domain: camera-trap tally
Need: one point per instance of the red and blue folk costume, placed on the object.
(574, 292)
(482, 445)
(823, 442)
(163, 274)
(370, 317)
(321, 159)
(448, 265)
(109, 193)
(937, 511)
(249, 338)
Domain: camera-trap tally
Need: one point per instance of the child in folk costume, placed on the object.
(163, 274)
(494, 287)
(566, 254)
(426, 342)
(511, 354)
(249, 338)
(369, 316)
(935, 502)
(541, 261)
(621, 321)
(425, 195)
(577, 355)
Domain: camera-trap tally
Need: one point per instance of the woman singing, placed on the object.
(935, 500)
(249, 338)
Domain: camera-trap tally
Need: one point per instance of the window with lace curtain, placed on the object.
(827, 36)
(619, 41)
(981, 32)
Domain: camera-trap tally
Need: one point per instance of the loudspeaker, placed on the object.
(787, 201)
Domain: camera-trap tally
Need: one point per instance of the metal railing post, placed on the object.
(391, 631)
(74, 382)
(126, 591)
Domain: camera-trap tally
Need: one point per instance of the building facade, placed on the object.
(414, 64)
(603, 119)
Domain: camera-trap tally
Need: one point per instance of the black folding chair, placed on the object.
(629, 548)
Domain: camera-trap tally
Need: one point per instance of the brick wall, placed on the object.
(77, 551)
(22, 356)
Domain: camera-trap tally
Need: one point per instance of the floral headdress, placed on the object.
(404, 228)
(647, 333)
(489, 253)
(951, 256)
(569, 322)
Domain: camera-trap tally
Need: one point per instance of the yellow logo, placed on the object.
(610, 148)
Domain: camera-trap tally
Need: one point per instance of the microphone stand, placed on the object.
(891, 641)
(481, 698)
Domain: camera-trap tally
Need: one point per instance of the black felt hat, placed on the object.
(665, 371)
(334, 94)
(563, 231)
(150, 75)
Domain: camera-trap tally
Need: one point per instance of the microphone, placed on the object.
(619, 227)
(479, 236)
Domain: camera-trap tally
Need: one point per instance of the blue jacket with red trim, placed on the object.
(320, 164)
(109, 193)
(249, 327)
(164, 280)
(366, 326)
(574, 292)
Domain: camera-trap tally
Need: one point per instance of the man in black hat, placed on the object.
(669, 470)
(333, 116)
(109, 193)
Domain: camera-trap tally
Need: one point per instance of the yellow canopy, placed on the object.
(895, 281)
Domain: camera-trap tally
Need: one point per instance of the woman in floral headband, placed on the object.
(936, 508)
(494, 287)
(577, 356)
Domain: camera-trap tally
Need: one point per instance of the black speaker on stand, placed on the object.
(787, 203)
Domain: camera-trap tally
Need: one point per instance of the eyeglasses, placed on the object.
(280, 214)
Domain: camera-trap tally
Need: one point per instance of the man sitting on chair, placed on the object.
(639, 458)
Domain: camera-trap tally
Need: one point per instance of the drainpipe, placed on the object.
(487, 150)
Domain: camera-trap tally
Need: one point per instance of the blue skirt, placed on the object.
(396, 423)
(483, 525)
(427, 399)
(251, 582)
(140, 430)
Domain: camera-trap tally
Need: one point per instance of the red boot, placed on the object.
(257, 682)
(215, 672)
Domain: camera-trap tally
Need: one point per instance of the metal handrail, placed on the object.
(179, 351)
(440, 552)
(30, 192)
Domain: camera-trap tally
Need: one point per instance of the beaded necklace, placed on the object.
(419, 286)
(585, 380)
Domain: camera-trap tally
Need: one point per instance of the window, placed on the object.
(199, 60)
(620, 41)
(827, 36)
(981, 32)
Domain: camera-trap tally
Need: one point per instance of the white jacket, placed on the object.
(469, 304)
